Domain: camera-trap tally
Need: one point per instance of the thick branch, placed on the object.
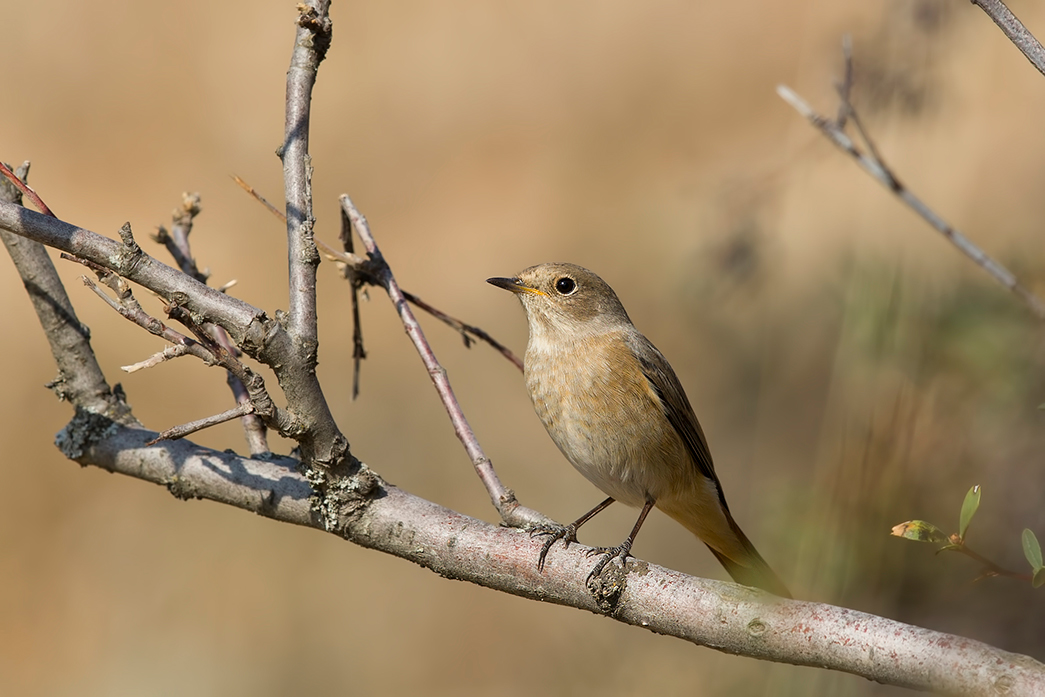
(80, 379)
(310, 45)
(238, 317)
(720, 615)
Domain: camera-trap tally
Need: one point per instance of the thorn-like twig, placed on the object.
(355, 280)
(26, 190)
(873, 164)
(259, 198)
(166, 354)
(200, 424)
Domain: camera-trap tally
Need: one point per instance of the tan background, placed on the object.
(850, 369)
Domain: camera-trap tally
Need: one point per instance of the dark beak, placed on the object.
(514, 285)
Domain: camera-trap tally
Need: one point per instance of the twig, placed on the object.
(259, 198)
(25, 189)
(512, 513)
(177, 243)
(989, 567)
(355, 282)
(134, 313)
(354, 268)
(877, 168)
(177, 432)
(177, 240)
(171, 352)
(361, 268)
(1014, 29)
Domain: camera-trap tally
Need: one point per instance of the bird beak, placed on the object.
(514, 285)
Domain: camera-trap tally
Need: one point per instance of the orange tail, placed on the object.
(752, 570)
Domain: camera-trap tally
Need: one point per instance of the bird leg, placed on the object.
(566, 533)
(623, 550)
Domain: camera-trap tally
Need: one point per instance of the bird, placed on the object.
(616, 410)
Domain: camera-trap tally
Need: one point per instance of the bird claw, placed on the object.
(608, 554)
(566, 533)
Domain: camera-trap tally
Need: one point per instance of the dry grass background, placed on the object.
(850, 369)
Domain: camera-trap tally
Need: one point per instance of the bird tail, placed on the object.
(752, 569)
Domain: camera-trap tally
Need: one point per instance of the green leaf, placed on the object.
(920, 531)
(969, 506)
(1039, 578)
(1032, 550)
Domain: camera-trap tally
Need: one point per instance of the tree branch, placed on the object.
(716, 614)
(878, 169)
(503, 498)
(80, 379)
(1014, 29)
(310, 46)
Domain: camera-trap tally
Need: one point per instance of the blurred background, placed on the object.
(851, 369)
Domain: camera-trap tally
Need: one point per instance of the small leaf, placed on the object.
(1039, 578)
(1032, 550)
(949, 548)
(969, 506)
(920, 531)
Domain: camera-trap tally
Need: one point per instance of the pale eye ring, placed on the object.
(565, 285)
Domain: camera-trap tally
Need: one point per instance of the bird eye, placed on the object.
(565, 285)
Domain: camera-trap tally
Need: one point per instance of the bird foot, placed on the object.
(622, 551)
(566, 533)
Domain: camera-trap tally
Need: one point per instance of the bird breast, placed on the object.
(602, 413)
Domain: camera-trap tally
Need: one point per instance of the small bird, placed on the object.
(614, 407)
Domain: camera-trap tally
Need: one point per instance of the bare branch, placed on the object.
(80, 379)
(166, 354)
(177, 243)
(1014, 29)
(310, 47)
(18, 181)
(355, 280)
(361, 269)
(177, 240)
(881, 172)
(259, 198)
(177, 432)
(512, 513)
(716, 614)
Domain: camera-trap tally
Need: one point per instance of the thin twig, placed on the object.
(884, 175)
(177, 240)
(169, 353)
(355, 282)
(259, 198)
(177, 243)
(1014, 29)
(177, 432)
(512, 513)
(362, 269)
(26, 190)
(134, 313)
(989, 567)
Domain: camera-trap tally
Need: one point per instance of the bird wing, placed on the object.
(676, 405)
